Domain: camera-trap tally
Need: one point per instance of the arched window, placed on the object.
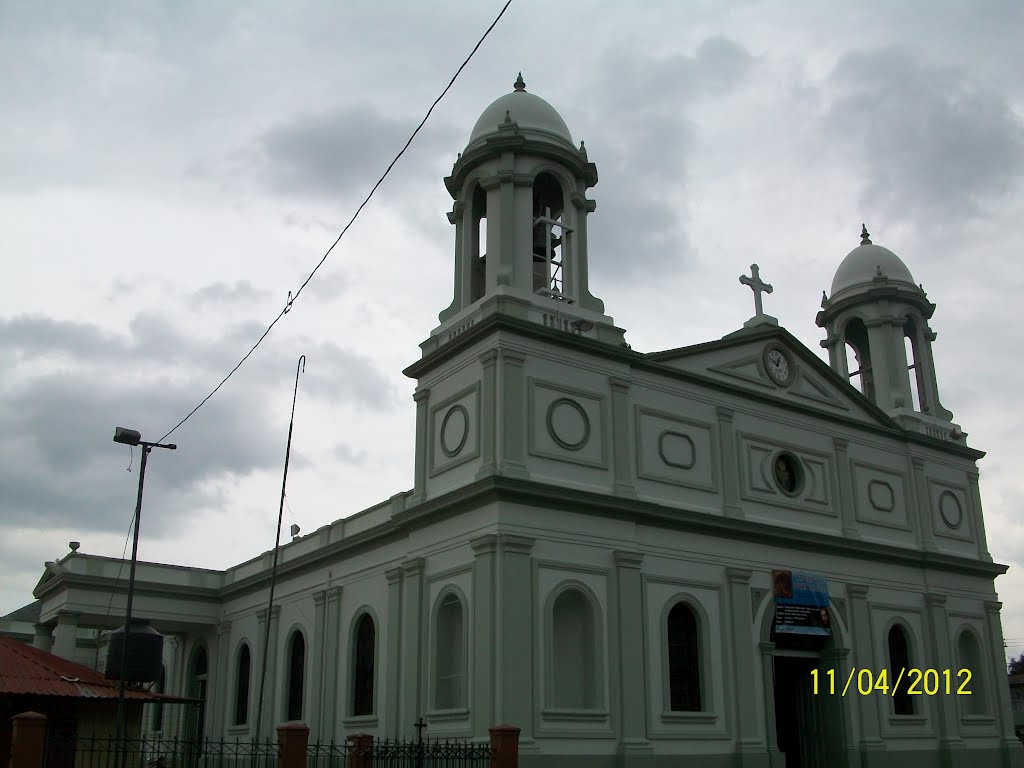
(574, 674)
(550, 237)
(899, 659)
(858, 357)
(362, 678)
(449, 654)
(158, 708)
(478, 273)
(910, 347)
(969, 653)
(683, 659)
(242, 672)
(296, 675)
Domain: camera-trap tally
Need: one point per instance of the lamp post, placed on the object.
(132, 437)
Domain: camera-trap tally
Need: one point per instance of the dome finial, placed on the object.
(865, 238)
(520, 84)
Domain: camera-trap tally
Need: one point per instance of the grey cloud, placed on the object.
(222, 293)
(342, 152)
(344, 453)
(932, 141)
(639, 224)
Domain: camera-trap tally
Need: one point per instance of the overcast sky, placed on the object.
(169, 171)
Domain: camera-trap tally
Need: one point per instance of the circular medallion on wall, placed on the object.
(778, 365)
(788, 474)
(454, 430)
(568, 424)
(950, 509)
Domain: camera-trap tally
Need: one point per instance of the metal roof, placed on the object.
(25, 670)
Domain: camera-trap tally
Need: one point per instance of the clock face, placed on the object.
(777, 365)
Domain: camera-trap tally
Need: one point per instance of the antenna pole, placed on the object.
(299, 368)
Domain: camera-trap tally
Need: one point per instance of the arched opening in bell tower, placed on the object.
(478, 267)
(913, 358)
(550, 237)
(858, 357)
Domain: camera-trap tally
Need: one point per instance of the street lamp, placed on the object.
(132, 437)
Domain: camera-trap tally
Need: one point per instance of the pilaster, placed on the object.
(43, 637)
(390, 703)
(940, 656)
(1001, 692)
(485, 638)
(412, 645)
(860, 630)
(742, 634)
(847, 508)
(513, 416)
(622, 440)
(315, 681)
(488, 414)
(334, 690)
(730, 471)
(220, 677)
(632, 680)
(775, 757)
(974, 501)
(922, 505)
(65, 637)
(269, 653)
(515, 633)
(421, 398)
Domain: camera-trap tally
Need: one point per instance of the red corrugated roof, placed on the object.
(25, 670)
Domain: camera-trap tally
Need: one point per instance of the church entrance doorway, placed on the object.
(808, 725)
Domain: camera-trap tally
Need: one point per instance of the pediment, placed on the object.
(739, 362)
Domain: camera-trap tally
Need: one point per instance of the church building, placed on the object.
(733, 552)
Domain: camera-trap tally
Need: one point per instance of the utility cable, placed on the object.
(291, 298)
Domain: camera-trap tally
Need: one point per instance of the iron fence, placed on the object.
(402, 754)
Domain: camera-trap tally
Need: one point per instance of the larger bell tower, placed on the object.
(520, 217)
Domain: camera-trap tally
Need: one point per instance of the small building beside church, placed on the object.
(730, 551)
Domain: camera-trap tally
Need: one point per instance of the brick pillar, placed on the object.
(28, 740)
(505, 743)
(360, 746)
(292, 739)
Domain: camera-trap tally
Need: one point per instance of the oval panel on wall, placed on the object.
(881, 496)
(677, 449)
(454, 430)
(950, 509)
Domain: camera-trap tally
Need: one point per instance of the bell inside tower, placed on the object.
(550, 236)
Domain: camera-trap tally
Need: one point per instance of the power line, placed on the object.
(291, 299)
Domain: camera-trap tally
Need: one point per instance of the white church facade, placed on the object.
(607, 548)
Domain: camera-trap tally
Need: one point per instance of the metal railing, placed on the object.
(156, 752)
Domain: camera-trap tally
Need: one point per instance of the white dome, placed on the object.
(863, 264)
(531, 113)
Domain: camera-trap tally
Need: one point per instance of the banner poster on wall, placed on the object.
(801, 603)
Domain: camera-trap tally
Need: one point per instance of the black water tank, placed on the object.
(143, 658)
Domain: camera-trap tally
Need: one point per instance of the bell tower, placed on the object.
(879, 340)
(520, 217)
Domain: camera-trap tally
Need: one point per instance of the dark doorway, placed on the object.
(800, 726)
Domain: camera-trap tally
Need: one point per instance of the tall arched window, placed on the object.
(362, 678)
(449, 654)
(858, 357)
(550, 237)
(574, 674)
(683, 659)
(910, 347)
(969, 653)
(296, 675)
(478, 273)
(242, 673)
(899, 659)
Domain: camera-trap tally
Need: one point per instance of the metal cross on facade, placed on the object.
(758, 286)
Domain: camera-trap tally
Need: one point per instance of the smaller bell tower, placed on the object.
(879, 340)
(520, 218)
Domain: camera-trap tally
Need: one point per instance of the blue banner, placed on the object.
(801, 603)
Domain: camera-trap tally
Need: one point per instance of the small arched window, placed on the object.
(683, 659)
(969, 653)
(899, 661)
(913, 357)
(362, 678)
(550, 237)
(478, 269)
(575, 674)
(296, 675)
(242, 673)
(449, 654)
